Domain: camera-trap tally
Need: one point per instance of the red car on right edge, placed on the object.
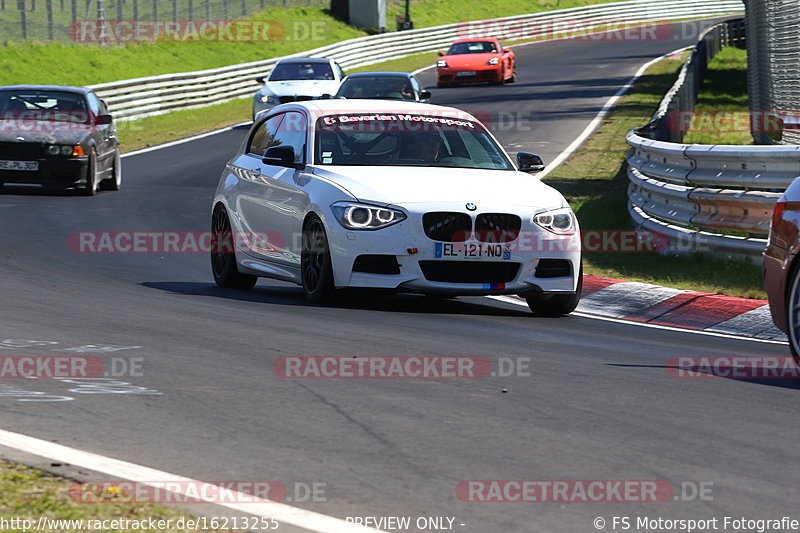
(475, 60)
(781, 267)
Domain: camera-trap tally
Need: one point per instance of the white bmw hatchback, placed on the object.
(334, 194)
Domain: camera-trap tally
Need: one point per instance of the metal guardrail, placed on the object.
(154, 95)
(712, 199)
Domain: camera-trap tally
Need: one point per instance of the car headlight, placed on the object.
(266, 99)
(365, 217)
(441, 63)
(55, 149)
(561, 221)
(493, 61)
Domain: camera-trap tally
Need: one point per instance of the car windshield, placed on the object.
(474, 47)
(384, 87)
(301, 71)
(398, 139)
(56, 106)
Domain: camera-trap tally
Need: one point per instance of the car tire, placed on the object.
(551, 305)
(316, 270)
(90, 189)
(114, 183)
(513, 77)
(793, 315)
(223, 258)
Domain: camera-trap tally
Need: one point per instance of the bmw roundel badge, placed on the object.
(471, 206)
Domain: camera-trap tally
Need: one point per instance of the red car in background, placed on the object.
(475, 60)
(781, 267)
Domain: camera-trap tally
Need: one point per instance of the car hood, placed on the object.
(300, 87)
(43, 131)
(407, 185)
(469, 60)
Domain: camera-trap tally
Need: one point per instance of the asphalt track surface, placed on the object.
(599, 403)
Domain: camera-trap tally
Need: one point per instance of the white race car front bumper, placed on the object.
(536, 261)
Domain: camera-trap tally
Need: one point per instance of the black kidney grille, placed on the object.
(446, 226)
(294, 98)
(497, 227)
(20, 150)
(469, 271)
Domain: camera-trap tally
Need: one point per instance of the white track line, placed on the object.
(284, 514)
(609, 105)
(518, 301)
(147, 476)
(182, 141)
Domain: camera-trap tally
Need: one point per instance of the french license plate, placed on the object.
(471, 250)
(19, 165)
(465, 73)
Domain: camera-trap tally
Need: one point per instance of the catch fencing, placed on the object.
(773, 62)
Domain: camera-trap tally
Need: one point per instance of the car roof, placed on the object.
(305, 60)
(380, 74)
(340, 106)
(477, 40)
(65, 88)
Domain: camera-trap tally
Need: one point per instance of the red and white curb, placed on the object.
(653, 304)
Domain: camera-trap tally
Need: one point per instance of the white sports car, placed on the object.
(332, 194)
(297, 79)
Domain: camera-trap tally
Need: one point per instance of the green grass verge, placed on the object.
(426, 13)
(136, 134)
(594, 181)
(29, 493)
(722, 113)
(75, 64)
(299, 28)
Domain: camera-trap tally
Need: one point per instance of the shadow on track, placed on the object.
(373, 300)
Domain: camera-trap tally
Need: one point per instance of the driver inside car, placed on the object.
(426, 147)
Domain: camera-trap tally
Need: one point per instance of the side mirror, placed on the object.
(281, 156)
(506, 50)
(441, 54)
(528, 162)
(425, 95)
(102, 120)
(325, 96)
(260, 79)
